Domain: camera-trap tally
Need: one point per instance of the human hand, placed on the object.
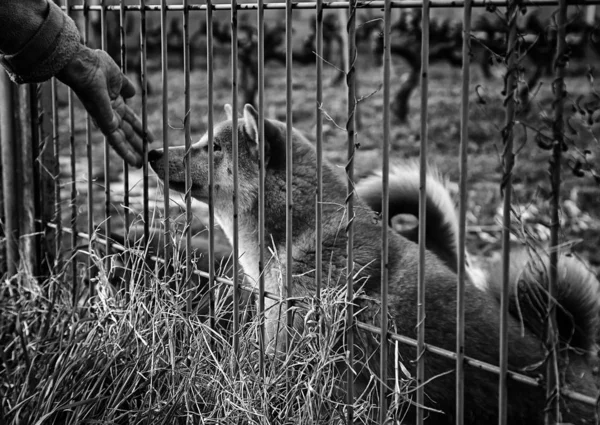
(102, 87)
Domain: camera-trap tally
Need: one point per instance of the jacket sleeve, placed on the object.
(38, 39)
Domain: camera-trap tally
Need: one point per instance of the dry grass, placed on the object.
(139, 356)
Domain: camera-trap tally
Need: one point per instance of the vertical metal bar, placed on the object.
(383, 355)
(30, 140)
(187, 157)
(73, 195)
(289, 200)
(234, 142)
(422, 214)
(123, 42)
(319, 145)
(552, 412)
(211, 167)
(164, 68)
(350, 129)
(508, 163)
(261, 182)
(144, 82)
(43, 165)
(88, 143)
(9, 176)
(462, 214)
(55, 179)
(107, 214)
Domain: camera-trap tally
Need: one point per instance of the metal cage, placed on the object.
(51, 198)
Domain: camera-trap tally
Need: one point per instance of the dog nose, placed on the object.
(155, 155)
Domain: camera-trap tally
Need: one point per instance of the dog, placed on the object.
(526, 353)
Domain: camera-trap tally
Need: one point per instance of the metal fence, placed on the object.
(36, 174)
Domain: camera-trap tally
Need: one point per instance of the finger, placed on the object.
(127, 88)
(132, 138)
(135, 122)
(100, 109)
(118, 140)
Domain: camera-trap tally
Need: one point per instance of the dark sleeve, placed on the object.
(38, 39)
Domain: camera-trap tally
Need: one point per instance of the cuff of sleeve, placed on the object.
(50, 49)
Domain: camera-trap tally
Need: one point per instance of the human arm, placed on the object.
(40, 41)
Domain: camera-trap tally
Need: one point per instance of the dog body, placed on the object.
(482, 311)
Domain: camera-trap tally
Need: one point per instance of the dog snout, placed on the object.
(155, 154)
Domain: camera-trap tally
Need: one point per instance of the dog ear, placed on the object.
(251, 122)
(272, 133)
(228, 111)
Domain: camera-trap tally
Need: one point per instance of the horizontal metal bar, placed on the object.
(379, 4)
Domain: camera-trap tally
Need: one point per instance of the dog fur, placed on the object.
(578, 289)
(526, 351)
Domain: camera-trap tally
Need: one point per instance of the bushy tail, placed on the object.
(404, 183)
(578, 289)
(577, 296)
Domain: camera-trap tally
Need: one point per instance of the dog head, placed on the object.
(222, 177)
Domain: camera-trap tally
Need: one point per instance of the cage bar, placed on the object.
(36, 124)
(261, 183)
(385, 219)
(552, 411)
(508, 163)
(351, 140)
(29, 173)
(73, 184)
(363, 4)
(187, 158)
(289, 199)
(422, 213)
(235, 164)
(107, 201)
(211, 165)
(164, 73)
(319, 148)
(89, 153)
(462, 215)
(144, 82)
(55, 180)
(73, 198)
(122, 40)
(9, 173)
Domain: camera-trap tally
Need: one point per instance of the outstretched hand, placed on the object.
(102, 87)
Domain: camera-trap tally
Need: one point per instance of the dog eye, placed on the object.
(216, 147)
